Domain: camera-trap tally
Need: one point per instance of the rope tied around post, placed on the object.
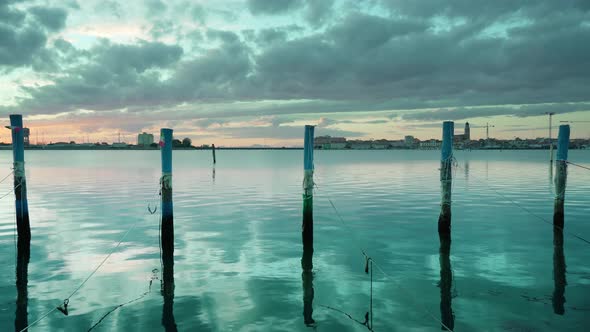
(19, 169)
(308, 183)
(166, 181)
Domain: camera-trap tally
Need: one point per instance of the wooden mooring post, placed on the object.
(563, 141)
(20, 182)
(213, 149)
(166, 191)
(307, 227)
(167, 230)
(446, 163)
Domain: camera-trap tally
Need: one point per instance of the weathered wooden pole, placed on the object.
(446, 283)
(166, 191)
(307, 226)
(20, 181)
(213, 149)
(561, 174)
(167, 228)
(559, 270)
(446, 163)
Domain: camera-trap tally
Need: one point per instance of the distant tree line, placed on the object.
(176, 143)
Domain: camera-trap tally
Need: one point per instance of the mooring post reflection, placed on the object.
(559, 269)
(168, 320)
(307, 278)
(22, 279)
(446, 283)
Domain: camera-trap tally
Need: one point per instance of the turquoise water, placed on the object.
(238, 242)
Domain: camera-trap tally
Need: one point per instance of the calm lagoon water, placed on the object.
(238, 242)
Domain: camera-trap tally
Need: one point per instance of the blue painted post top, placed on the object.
(563, 141)
(308, 148)
(16, 122)
(166, 147)
(447, 143)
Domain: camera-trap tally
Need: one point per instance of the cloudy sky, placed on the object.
(255, 71)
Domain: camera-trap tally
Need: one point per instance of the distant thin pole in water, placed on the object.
(213, 150)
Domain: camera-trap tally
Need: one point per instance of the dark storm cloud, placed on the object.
(258, 7)
(113, 76)
(448, 56)
(18, 47)
(519, 111)
(54, 19)
(23, 35)
(199, 13)
(10, 15)
(155, 7)
(318, 12)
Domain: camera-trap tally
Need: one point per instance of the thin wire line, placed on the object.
(122, 305)
(6, 177)
(39, 319)
(527, 210)
(347, 314)
(89, 276)
(584, 167)
(10, 191)
(104, 260)
(379, 267)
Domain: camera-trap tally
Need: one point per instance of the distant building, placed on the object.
(145, 139)
(381, 144)
(465, 137)
(397, 144)
(328, 142)
(120, 145)
(360, 145)
(431, 144)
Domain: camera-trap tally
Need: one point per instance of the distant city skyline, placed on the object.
(241, 73)
(131, 138)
